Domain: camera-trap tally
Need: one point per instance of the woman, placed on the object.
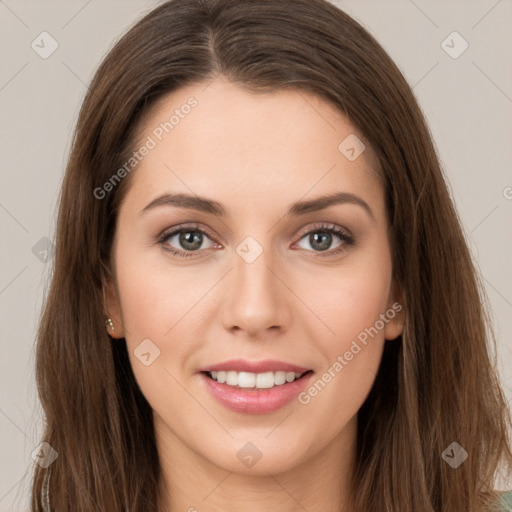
(262, 295)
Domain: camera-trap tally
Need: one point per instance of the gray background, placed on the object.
(467, 101)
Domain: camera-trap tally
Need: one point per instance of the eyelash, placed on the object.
(329, 228)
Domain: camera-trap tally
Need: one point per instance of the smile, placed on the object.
(250, 380)
(254, 393)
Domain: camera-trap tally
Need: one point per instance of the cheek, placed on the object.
(163, 303)
(350, 303)
(350, 299)
(157, 306)
(155, 297)
(359, 304)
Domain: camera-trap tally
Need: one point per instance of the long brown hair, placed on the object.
(437, 384)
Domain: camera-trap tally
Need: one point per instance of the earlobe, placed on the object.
(395, 312)
(112, 310)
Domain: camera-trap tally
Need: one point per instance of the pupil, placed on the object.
(190, 239)
(324, 245)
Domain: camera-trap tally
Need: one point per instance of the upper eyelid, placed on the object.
(175, 230)
(302, 232)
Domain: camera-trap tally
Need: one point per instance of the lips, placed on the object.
(246, 398)
(255, 401)
(243, 365)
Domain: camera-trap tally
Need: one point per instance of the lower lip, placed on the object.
(255, 401)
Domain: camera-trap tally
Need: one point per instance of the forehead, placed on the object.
(219, 140)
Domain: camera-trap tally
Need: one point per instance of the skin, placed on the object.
(256, 155)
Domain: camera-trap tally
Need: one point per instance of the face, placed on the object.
(298, 289)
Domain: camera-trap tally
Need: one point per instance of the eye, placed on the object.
(320, 238)
(189, 238)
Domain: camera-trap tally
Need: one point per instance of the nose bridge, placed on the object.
(256, 302)
(252, 274)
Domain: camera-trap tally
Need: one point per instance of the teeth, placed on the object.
(250, 380)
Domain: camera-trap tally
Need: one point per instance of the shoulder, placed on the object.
(505, 501)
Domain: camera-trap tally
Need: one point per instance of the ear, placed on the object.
(112, 308)
(395, 311)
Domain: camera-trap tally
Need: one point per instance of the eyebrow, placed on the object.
(203, 204)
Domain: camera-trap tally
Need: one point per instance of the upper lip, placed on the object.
(242, 365)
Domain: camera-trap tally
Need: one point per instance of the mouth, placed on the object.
(254, 393)
(255, 381)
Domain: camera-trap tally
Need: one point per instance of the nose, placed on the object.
(257, 298)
